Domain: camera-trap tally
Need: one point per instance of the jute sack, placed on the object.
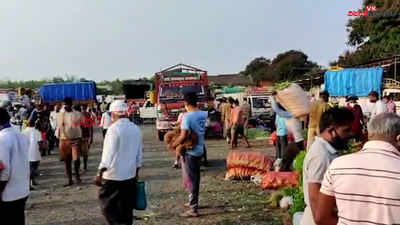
(295, 100)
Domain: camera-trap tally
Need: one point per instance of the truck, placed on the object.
(137, 93)
(258, 99)
(80, 92)
(170, 86)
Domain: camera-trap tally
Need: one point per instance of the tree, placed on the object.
(257, 69)
(375, 36)
(289, 65)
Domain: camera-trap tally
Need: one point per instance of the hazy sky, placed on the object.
(106, 39)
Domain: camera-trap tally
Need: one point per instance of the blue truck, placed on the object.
(83, 92)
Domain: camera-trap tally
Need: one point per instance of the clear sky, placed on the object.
(109, 39)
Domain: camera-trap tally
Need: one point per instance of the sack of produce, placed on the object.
(274, 180)
(249, 159)
(242, 173)
(293, 98)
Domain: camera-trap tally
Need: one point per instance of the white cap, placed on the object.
(119, 107)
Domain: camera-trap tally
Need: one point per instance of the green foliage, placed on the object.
(298, 161)
(298, 199)
(289, 65)
(276, 196)
(256, 133)
(297, 192)
(374, 36)
(352, 147)
(282, 85)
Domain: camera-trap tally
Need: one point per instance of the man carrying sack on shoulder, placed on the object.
(119, 167)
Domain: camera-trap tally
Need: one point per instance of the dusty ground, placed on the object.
(222, 202)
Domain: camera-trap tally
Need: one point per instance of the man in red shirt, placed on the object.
(356, 128)
(237, 124)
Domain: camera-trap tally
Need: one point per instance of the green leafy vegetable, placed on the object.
(256, 133)
(282, 85)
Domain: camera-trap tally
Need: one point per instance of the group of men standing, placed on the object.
(235, 120)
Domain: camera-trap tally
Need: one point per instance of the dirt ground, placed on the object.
(221, 202)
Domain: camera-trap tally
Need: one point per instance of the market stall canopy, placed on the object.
(357, 82)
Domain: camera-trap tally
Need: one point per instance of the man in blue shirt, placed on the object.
(282, 136)
(194, 121)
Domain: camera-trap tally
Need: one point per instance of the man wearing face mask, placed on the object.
(358, 117)
(335, 131)
(363, 188)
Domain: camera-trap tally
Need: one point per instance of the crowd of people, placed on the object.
(68, 127)
(356, 188)
(330, 183)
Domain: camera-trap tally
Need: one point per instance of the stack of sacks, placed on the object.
(244, 164)
(275, 180)
(295, 100)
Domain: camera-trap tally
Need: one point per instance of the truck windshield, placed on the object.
(178, 92)
(259, 103)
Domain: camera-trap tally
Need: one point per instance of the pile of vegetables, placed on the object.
(256, 133)
(295, 192)
(282, 85)
(352, 147)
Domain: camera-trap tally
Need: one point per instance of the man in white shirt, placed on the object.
(375, 105)
(106, 120)
(14, 177)
(335, 131)
(54, 116)
(35, 137)
(119, 167)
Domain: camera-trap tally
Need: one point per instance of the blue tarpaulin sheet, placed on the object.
(358, 82)
(81, 91)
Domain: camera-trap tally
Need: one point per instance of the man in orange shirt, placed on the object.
(236, 122)
(225, 118)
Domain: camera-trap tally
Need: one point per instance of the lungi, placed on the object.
(191, 179)
(117, 201)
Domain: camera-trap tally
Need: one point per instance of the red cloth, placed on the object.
(358, 114)
(44, 135)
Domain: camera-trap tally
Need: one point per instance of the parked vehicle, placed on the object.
(80, 92)
(171, 84)
(137, 94)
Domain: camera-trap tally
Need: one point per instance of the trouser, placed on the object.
(117, 201)
(13, 213)
(191, 179)
(34, 166)
(281, 146)
(291, 152)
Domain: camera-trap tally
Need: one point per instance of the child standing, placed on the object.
(282, 136)
(35, 140)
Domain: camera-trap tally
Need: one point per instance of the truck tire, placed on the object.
(161, 135)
